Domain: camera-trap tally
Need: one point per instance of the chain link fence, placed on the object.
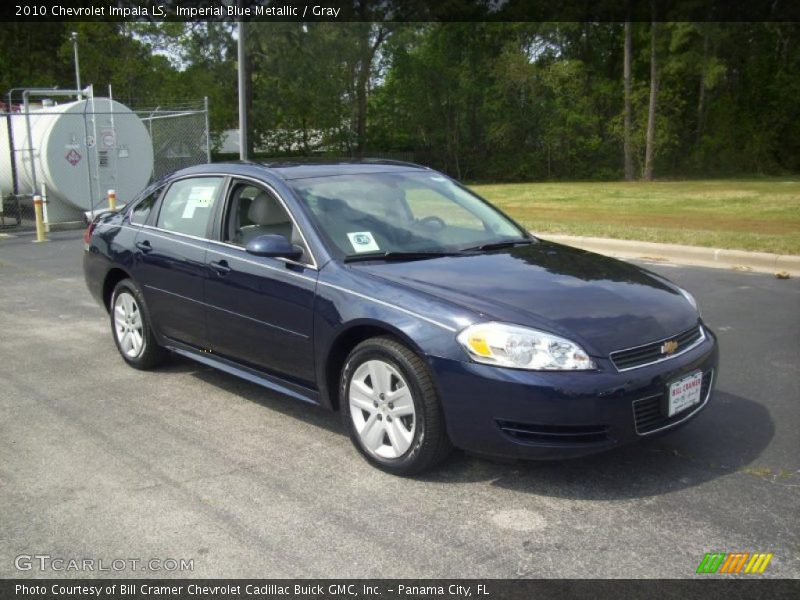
(179, 134)
(81, 150)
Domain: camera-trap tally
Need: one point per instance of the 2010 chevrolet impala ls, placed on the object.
(388, 292)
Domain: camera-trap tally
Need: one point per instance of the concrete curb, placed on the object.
(760, 262)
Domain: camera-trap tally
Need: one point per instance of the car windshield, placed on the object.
(402, 212)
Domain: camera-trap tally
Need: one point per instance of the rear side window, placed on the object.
(188, 205)
(142, 209)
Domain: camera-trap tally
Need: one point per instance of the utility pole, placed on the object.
(242, 93)
(77, 62)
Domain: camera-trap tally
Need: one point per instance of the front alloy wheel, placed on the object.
(391, 409)
(382, 409)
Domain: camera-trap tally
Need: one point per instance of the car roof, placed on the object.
(289, 170)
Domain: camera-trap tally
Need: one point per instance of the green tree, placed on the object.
(201, 56)
(110, 54)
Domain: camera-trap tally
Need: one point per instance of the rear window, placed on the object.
(143, 208)
(188, 205)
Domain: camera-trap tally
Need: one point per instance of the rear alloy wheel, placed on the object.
(390, 407)
(128, 325)
(131, 327)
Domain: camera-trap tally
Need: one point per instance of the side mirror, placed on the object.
(272, 245)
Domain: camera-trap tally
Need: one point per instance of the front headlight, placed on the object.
(507, 345)
(690, 298)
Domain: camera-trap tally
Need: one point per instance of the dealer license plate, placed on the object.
(685, 393)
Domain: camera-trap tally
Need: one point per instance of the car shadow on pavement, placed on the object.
(291, 407)
(729, 435)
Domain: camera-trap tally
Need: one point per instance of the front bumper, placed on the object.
(550, 415)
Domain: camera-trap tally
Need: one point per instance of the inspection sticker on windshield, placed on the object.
(362, 241)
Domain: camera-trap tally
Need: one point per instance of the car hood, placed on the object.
(602, 303)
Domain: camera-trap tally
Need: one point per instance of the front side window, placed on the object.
(188, 205)
(402, 212)
(252, 211)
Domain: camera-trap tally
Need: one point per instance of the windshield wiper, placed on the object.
(499, 245)
(399, 255)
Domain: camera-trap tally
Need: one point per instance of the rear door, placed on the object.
(260, 310)
(171, 254)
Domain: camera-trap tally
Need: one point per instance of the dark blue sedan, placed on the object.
(388, 292)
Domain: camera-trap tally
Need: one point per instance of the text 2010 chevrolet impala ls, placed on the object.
(394, 295)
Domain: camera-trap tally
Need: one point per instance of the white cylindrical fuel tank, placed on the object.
(81, 150)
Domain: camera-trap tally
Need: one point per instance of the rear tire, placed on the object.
(390, 408)
(130, 326)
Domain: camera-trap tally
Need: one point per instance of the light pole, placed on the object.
(242, 94)
(77, 63)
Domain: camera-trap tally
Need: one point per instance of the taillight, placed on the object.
(87, 235)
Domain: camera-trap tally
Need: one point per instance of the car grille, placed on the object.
(554, 434)
(649, 413)
(651, 353)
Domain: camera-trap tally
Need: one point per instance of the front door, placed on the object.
(260, 310)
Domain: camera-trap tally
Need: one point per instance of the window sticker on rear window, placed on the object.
(200, 196)
(362, 241)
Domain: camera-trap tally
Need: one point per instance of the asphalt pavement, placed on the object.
(100, 461)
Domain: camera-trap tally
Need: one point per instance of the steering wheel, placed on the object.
(433, 223)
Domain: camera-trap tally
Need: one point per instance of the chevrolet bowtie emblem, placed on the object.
(669, 347)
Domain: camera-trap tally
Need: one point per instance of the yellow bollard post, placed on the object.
(38, 205)
(112, 200)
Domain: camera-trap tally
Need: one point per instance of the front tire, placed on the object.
(390, 408)
(130, 325)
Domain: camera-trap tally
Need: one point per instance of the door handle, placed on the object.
(220, 266)
(144, 246)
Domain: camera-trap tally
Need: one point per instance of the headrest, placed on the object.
(266, 210)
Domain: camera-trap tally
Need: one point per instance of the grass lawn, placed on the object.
(761, 215)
